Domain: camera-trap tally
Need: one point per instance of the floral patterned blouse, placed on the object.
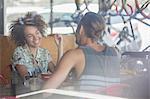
(22, 56)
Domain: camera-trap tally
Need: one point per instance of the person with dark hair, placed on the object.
(29, 58)
(94, 64)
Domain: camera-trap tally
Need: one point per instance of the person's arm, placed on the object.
(18, 60)
(67, 62)
(51, 67)
(59, 44)
(22, 70)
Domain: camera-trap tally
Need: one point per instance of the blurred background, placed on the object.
(65, 15)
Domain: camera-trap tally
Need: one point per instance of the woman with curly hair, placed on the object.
(29, 58)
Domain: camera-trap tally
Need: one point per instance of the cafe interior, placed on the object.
(134, 63)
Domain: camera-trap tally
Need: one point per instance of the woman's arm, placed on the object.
(51, 67)
(22, 70)
(19, 60)
(59, 44)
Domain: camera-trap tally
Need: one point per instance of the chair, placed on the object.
(3, 80)
(12, 82)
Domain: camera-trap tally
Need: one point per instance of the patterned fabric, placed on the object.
(23, 57)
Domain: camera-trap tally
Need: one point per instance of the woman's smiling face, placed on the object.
(33, 36)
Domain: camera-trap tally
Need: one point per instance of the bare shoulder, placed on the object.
(74, 52)
(73, 56)
(69, 60)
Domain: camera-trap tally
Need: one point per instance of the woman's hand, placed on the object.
(59, 43)
(51, 67)
(58, 39)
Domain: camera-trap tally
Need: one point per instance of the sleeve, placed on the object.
(18, 57)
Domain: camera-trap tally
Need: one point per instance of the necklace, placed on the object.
(35, 62)
(32, 56)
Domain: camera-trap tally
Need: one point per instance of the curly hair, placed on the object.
(30, 19)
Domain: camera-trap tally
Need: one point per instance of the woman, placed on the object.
(29, 58)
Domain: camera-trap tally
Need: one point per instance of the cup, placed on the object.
(45, 76)
(34, 84)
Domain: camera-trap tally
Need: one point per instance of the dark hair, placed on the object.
(93, 25)
(30, 19)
